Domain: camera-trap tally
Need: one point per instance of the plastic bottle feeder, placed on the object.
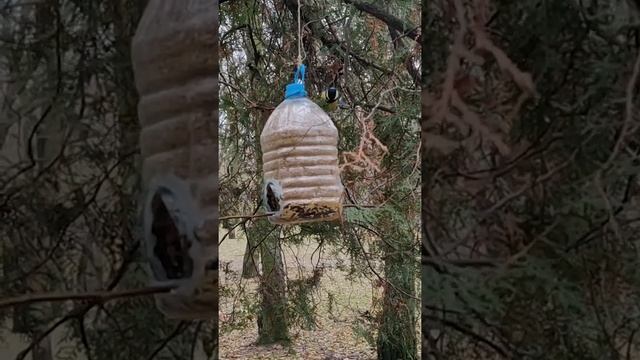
(300, 160)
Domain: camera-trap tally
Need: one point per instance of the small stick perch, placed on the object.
(269, 214)
(97, 296)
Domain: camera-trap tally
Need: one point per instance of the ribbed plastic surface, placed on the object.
(175, 65)
(299, 146)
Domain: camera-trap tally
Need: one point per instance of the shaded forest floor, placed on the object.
(342, 306)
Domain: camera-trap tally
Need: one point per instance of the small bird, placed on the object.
(329, 99)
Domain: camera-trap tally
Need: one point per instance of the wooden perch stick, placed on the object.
(96, 296)
(244, 216)
(269, 214)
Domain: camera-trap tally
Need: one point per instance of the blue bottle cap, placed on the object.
(295, 90)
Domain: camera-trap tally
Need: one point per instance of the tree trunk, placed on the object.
(250, 260)
(397, 332)
(272, 320)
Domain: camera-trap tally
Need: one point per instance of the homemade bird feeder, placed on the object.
(300, 160)
(175, 70)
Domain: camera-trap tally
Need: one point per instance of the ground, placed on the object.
(342, 307)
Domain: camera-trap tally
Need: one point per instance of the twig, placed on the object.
(83, 337)
(252, 104)
(96, 296)
(76, 313)
(461, 328)
(381, 278)
(81, 310)
(195, 339)
(393, 22)
(617, 147)
(273, 213)
(628, 114)
(182, 325)
(245, 216)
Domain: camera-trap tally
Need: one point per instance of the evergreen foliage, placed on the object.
(530, 253)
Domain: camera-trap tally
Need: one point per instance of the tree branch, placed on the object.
(79, 311)
(181, 327)
(96, 297)
(326, 39)
(393, 22)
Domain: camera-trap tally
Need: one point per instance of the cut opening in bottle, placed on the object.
(171, 245)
